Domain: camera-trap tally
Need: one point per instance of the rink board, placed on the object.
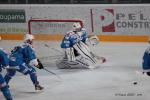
(58, 37)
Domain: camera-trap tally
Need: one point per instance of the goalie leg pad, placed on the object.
(84, 51)
(80, 62)
(65, 64)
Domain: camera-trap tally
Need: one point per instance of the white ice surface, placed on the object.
(112, 81)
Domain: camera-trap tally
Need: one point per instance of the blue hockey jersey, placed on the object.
(72, 37)
(22, 54)
(146, 60)
(4, 60)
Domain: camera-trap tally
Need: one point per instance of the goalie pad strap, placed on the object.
(70, 54)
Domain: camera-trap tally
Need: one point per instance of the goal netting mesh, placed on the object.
(38, 26)
(47, 31)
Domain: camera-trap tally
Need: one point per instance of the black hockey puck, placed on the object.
(135, 83)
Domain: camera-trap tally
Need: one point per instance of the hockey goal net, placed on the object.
(40, 26)
(53, 31)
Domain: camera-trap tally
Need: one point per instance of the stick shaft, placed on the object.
(51, 72)
(46, 45)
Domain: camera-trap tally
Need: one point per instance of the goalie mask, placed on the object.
(28, 38)
(77, 27)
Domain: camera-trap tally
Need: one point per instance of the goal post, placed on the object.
(47, 29)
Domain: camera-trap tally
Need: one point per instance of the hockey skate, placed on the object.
(38, 87)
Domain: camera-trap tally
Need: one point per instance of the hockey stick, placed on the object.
(46, 45)
(50, 57)
(52, 73)
(12, 68)
(41, 66)
(16, 68)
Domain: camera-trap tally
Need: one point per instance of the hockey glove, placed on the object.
(40, 65)
(148, 73)
(92, 40)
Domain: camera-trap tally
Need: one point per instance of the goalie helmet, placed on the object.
(28, 38)
(76, 26)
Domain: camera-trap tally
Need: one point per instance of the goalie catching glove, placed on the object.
(92, 40)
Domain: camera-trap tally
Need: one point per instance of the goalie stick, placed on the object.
(102, 59)
(50, 57)
(46, 45)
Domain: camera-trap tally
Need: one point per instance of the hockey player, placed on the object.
(146, 61)
(77, 52)
(4, 62)
(23, 59)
